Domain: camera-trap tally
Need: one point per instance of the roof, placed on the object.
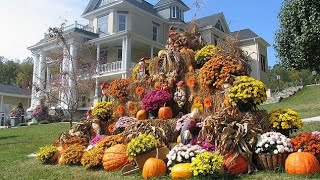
(208, 20)
(94, 4)
(164, 2)
(10, 89)
(244, 34)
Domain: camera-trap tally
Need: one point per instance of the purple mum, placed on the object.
(155, 99)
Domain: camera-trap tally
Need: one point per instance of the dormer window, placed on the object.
(174, 10)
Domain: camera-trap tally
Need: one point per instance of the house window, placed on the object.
(122, 22)
(180, 14)
(263, 63)
(119, 54)
(219, 26)
(174, 12)
(155, 30)
(103, 24)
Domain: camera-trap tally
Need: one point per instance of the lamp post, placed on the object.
(314, 73)
(278, 79)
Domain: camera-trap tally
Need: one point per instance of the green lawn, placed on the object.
(17, 143)
(306, 102)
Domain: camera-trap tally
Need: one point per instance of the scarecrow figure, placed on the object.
(180, 95)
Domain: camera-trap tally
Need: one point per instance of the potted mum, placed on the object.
(16, 115)
(144, 147)
(272, 149)
(247, 93)
(155, 99)
(40, 113)
(285, 121)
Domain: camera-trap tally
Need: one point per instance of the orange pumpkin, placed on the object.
(235, 166)
(115, 158)
(302, 163)
(226, 102)
(165, 113)
(142, 115)
(153, 167)
(181, 171)
(60, 158)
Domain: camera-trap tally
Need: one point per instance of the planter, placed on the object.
(34, 120)
(285, 132)
(272, 161)
(162, 152)
(14, 121)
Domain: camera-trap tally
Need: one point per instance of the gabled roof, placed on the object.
(165, 2)
(208, 20)
(9, 89)
(244, 34)
(94, 4)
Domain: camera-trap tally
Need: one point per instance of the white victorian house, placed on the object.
(123, 31)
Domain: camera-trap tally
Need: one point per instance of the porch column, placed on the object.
(64, 79)
(128, 54)
(73, 75)
(96, 93)
(34, 80)
(42, 76)
(98, 59)
(1, 103)
(124, 54)
(48, 84)
(151, 53)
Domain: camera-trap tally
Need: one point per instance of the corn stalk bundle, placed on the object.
(232, 132)
(163, 130)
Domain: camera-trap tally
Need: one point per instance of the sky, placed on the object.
(23, 23)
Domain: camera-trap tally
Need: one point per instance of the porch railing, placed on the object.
(110, 67)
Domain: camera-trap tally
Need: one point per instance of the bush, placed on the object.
(23, 124)
(44, 122)
(33, 124)
(65, 120)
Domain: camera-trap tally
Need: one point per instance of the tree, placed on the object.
(24, 73)
(297, 42)
(8, 72)
(74, 80)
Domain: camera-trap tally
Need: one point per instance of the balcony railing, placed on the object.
(78, 26)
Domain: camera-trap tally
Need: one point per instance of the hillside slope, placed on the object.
(306, 102)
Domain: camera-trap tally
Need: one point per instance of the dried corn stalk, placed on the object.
(232, 132)
(163, 130)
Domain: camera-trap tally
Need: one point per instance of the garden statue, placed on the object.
(95, 128)
(180, 95)
(142, 68)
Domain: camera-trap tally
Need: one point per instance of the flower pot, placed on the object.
(285, 132)
(272, 161)
(35, 120)
(162, 152)
(14, 121)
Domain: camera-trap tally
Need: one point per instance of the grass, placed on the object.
(17, 143)
(306, 102)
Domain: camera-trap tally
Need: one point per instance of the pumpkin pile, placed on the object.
(190, 111)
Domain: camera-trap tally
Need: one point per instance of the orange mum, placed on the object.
(132, 107)
(111, 128)
(191, 82)
(197, 100)
(139, 91)
(207, 102)
(120, 110)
